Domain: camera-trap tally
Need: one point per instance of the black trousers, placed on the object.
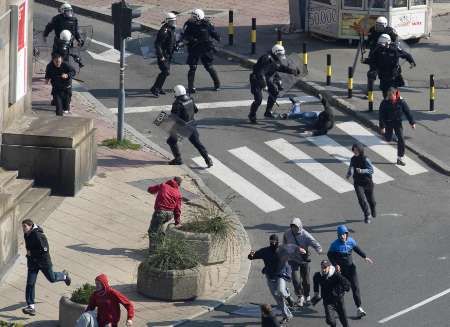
(164, 67)
(256, 89)
(398, 129)
(366, 199)
(349, 272)
(336, 310)
(207, 58)
(300, 278)
(172, 141)
(62, 100)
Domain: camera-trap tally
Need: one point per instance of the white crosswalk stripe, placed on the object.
(274, 174)
(344, 155)
(379, 146)
(241, 185)
(311, 166)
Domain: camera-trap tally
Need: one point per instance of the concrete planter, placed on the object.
(210, 249)
(69, 311)
(172, 285)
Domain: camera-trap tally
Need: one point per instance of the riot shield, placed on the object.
(173, 125)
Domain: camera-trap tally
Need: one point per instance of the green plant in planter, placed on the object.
(210, 220)
(10, 324)
(171, 253)
(82, 294)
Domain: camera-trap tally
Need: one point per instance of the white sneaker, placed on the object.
(360, 312)
(66, 111)
(301, 301)
(308, 300)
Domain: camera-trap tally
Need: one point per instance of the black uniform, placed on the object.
(184, 109)
(64, 49)
(325, 121)
(332, 289)
(60, 23)
(165, 45)
(390, 118)
(385, 62)
(61, 88)
(373, 36)
(265, 74)
(199, 35)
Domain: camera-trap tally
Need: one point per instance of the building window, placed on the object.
(378, 4)
(400, 3)
(353, 3)
(418, 2)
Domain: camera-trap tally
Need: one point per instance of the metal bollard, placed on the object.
(370, 93)
(279, 37)
(230, 27)
(329, 69)
(253, 36)
(432, 92)
(350, 82)
(305, 58)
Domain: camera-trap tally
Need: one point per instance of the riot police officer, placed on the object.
(384, 61)
(64, 21)
(380, 27)
(265, 77)
(183, 110)
(198, 34)
(62, 46)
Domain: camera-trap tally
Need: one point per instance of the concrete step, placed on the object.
(17, 188)
(6, 176)
(31, 199)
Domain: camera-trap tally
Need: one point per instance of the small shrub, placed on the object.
(124, 144)
(81, 295)
(10, 324)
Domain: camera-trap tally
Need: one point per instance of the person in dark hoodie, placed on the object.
(38, 259)
(362, 170)
(391, 114)
(267, 317)
(106, 299)
(340, 255)
(332, 287)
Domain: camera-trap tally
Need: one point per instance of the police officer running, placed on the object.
(265, 77)
(165, 45)
(184, 110)
(198, 34)
(332, 286)
(340, 255)
(380, 27)
(64, 21)
(384, 61)
(62, 45)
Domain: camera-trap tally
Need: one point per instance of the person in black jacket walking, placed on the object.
(165, 45)
(60, 75)
(362, 170)
(65, 20)
(38, 259)
(184, 109)
(333, 287)
(391, 114)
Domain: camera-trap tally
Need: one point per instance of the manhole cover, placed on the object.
(143, 184)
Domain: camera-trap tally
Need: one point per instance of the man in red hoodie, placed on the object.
(167, 205)
(107, 300)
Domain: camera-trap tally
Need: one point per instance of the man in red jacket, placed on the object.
(107, 300)
(167, 205)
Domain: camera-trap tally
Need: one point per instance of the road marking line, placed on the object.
(241, 185)
(379, 146)
(311, 166)
(215, 105)
(274, 174)
(415, 306)
(344, 155)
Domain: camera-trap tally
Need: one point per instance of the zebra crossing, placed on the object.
(306, 163)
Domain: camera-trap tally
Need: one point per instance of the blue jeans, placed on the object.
(279, 291)
(51, 276)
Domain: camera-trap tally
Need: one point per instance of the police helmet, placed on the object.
(198, 14)
(278, 50)
(179, 90)
(170, 16)
(381, 23)
(65, 35)
(66, 9)
(384, 39)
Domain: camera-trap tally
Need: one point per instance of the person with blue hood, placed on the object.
(340, 255)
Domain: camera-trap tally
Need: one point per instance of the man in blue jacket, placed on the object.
(340, 255)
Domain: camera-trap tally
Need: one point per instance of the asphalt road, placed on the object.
(408, 240)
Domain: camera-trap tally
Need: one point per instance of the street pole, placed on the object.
(121, 105)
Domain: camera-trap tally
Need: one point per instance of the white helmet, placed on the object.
(278, 50)
(381, 23)
(198, 14)
(170, 16)
(384, 39)
(179, 90)
(65, 35)
(65, 6)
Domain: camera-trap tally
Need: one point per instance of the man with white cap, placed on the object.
(298, 236)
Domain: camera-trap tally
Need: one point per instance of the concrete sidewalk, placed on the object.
(103, 230)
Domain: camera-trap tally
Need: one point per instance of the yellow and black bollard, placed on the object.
(350, 82)
(305, 58)
(329, 69)
(432, 92)
(279, 37)
(370, 93)
(230, 27)
(253, 36)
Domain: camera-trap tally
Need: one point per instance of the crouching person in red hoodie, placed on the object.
(107, 300)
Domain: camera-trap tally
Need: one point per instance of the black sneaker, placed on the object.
(154, 92)
(192, 90)
(175, 162)
(209, 162)
(161, 91)
(400, 162)
(29, 311)
(269, 114)
(216, 87)
(68, 280)
(252, 119)
(374, 213)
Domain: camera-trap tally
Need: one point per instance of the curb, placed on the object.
(241, 234)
